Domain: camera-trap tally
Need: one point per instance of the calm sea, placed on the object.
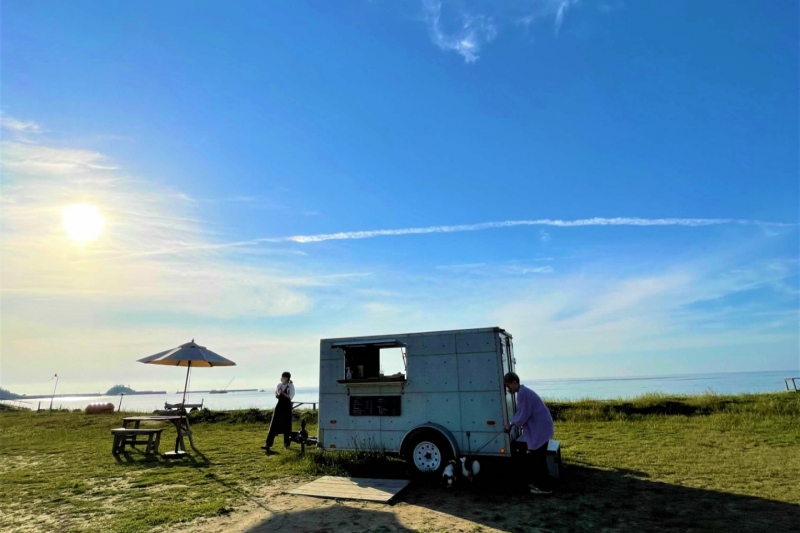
(567, 389)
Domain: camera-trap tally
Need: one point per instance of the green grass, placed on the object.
(57, 472)
(747, 445)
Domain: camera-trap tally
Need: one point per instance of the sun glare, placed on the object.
(83, 222)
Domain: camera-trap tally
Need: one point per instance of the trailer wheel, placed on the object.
(428, 453)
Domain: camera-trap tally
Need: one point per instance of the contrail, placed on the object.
(619, 221)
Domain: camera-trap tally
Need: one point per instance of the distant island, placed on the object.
(120, 389)
(8, 395)
(116, 390)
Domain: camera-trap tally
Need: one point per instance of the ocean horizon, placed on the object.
(556, 389)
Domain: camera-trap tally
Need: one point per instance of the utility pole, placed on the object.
(54, 392)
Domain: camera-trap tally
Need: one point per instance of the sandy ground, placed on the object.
(414, 509)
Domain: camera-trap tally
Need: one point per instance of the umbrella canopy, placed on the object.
(188, 355)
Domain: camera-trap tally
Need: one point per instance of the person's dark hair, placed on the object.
(511, 377)
(286, 375)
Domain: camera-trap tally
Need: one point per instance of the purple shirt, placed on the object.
(533, 417)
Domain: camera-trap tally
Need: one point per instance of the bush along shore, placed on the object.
(653, 463)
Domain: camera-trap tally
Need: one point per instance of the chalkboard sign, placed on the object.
(374, 405)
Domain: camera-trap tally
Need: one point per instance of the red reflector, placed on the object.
(490, 422)
(333, 446)
(333, 421)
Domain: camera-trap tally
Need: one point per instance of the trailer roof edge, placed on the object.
(395, 335)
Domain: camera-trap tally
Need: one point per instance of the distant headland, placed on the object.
(116, 390)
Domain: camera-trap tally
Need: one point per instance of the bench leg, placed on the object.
(158, 441)
(148, 449)
(115, 447)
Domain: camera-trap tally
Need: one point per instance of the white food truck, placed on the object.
(448, 402)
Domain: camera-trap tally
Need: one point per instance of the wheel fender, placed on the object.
(428, 427)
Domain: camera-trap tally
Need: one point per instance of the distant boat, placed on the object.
(222, 391)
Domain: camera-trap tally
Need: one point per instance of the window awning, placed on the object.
(372, 342)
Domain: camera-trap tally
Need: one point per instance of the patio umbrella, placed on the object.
(189, 355)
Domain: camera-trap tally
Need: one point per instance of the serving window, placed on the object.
(377, 361)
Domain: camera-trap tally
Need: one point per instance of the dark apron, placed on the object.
(282, 417)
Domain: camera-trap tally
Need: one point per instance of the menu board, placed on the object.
(375, 405)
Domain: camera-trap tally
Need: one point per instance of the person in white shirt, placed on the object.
(282, 415)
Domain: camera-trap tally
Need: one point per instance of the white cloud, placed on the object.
(562, 8)
(185, 247)
(19, 126)
(189, 246)
(597, 221)
(511, 268)
(466, 36)
(603, 318)
(467, 26)
(154, 254)
(61, 163)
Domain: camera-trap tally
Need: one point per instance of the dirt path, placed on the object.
(417, 509)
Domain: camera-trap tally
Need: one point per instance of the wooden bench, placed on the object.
(188, 406)
(132, 437)
(180, 421)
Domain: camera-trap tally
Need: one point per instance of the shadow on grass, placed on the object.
(137, 457)
(587, 499)
(233, 487)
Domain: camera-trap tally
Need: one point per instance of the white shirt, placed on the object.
(288, 389)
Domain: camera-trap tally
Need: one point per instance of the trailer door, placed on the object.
(507, 355)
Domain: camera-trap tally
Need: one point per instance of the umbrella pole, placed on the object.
(185, 385)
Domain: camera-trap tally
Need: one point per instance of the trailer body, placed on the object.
(453, 386)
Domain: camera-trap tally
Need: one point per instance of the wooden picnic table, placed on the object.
(180, 422)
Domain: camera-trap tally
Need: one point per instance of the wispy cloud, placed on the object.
(562, 8)
(467, 26)
(186, 247)
(19, 126)
(617, 221)
(467, 33)
(21, 131)
(510, 268)
(155, 253)
(35, 159)
(596, 315)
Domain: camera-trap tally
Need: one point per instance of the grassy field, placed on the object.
(655, 463)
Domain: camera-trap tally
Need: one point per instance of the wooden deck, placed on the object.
(346, 488)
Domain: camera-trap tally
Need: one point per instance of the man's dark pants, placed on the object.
(535, 465)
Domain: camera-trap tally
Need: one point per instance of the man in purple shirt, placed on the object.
(533, 418)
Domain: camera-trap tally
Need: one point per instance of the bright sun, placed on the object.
(83, 222)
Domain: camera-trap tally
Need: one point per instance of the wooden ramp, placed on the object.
(351, 488)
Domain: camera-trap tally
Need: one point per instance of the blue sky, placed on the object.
(210, 136)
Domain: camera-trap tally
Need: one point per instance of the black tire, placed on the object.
(429, 448)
